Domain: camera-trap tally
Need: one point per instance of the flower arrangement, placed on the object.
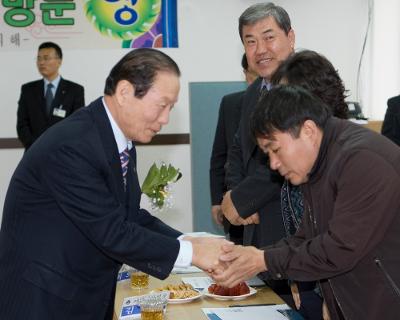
(158, 185)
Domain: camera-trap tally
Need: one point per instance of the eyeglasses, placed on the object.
(45, 59)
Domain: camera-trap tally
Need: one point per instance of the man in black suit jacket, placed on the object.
(228, 122)
(34, 116)
(254, 195)
(72, 216)
(391, 123)
(253, 199)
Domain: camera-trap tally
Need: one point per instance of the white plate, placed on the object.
(186, 300)
(218, 297)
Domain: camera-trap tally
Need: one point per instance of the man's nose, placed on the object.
(273, 162)
(164, 116)
(262, 47)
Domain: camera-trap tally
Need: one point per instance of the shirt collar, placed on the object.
(266, 84)
(120, 139)
(54, 82)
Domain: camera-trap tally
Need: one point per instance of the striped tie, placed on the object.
(124, 157)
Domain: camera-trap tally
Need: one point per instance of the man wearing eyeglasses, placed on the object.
(45, 102)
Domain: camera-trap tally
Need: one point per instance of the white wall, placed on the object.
(209, 50)
(384, 58)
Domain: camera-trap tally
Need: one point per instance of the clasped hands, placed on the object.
(231, 214)
(226, 263)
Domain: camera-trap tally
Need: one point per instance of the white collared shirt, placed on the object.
(266, 84)
(185, 255)
(55, 84)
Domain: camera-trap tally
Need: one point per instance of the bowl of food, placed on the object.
(181, 293)
(239, 292)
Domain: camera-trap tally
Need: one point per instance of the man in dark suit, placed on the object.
(72, 212)
(228, 122)
(391, 123)
(45, 102)
(254, 195)
(253, 199)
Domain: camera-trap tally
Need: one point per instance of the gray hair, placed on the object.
(260, 11)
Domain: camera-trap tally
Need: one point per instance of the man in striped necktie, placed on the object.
(76, 225)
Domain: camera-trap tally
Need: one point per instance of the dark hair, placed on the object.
(53, 45)
(245, 64)
(285, 108)
(260, 11)
(315, 73)
(140, 68)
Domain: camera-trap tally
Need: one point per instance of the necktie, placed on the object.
(124, 157)
(263, 91)
(49, 98)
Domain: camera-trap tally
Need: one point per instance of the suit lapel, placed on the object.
(38, 95)
(109, 144)
(133, 191)
(254, 96)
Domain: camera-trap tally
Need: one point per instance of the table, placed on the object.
(190, 310)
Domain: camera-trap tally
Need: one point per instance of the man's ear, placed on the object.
(292, 38)
(310, 130)
(124, 90)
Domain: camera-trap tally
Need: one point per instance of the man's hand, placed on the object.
(296, 295)
(243, 263)
(230, 213)
(253, 219)
(229, 210)
(206, 253)
(217, 214)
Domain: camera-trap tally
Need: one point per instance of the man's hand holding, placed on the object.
(207, 251)
(243, 263)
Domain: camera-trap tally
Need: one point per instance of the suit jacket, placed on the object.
(255, 188)
(32, 119)
(68, 225)
(391, 123)
(228, 122)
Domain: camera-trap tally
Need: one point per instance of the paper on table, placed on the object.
(130, 306)
(204, 282)
(255, 282)
(254, 313)
(210, 315)
(123, 276)
(198, 283)
(191, 269)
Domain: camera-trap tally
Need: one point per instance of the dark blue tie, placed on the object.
(49, 98)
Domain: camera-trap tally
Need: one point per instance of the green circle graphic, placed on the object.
(137, 19)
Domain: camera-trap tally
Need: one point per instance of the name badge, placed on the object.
(59, 112)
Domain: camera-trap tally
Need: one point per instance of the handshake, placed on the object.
(227, 264)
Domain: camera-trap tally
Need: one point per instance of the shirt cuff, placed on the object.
(185, 254)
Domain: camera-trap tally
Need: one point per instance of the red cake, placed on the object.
(238, 290)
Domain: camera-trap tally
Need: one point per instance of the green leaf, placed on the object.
(164, 173)
(172, 174)
(155, 181)
(151, 180)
